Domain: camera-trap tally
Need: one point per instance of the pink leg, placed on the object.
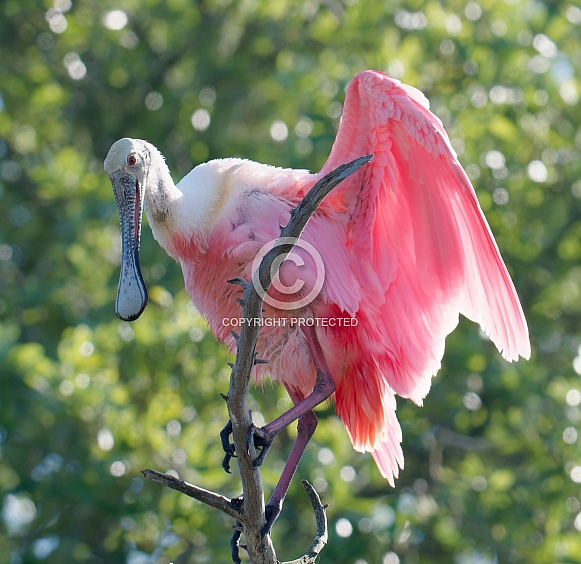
(302, 410)
(324, 387)
(305, 429)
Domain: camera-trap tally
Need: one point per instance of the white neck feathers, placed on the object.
(192, 207)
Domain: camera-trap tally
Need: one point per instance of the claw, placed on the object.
(227, 446)
(226, 461)
(235, 543)
(237, 502)
(262, 439)
(238, 280)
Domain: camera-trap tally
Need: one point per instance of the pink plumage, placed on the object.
(406, 249)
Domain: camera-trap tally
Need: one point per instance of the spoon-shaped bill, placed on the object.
(131, 293)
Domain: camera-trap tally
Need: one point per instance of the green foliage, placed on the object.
(493, 459)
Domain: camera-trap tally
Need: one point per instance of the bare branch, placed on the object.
(298, 221)
(321, 537)
(205, 496)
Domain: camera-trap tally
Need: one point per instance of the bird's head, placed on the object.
(127, 165)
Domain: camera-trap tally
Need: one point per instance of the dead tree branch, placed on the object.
(320, 540)
(212, 499)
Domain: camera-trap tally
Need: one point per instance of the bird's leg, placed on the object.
(302, 410)
(324, 387)
(305, 429)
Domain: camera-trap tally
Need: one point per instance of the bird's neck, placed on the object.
(161, 201)
(189, 210)
(161, 195)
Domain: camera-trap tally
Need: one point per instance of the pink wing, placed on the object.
(415, 215)
(419, 243)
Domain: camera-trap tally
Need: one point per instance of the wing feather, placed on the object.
(414, 209)
(419, 243)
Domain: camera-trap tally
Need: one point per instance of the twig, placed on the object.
(321, 537)
(205, 496)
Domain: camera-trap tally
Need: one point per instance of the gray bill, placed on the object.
(131, 293)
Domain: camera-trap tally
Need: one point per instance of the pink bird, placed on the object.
(403, 243)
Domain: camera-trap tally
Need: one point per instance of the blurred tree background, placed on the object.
(493, 459)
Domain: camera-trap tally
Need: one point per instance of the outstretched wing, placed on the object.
(419, 241)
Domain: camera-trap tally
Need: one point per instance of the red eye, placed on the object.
(131, 160)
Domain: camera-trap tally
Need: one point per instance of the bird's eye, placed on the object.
(131, 160)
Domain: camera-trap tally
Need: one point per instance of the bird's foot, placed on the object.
(271, 513)
(227, 446)
(259, 435)
(262, 440)
(235, 543)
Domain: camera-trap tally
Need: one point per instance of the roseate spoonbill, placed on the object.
(404, 243)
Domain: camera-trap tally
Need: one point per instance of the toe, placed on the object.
(271, 513)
